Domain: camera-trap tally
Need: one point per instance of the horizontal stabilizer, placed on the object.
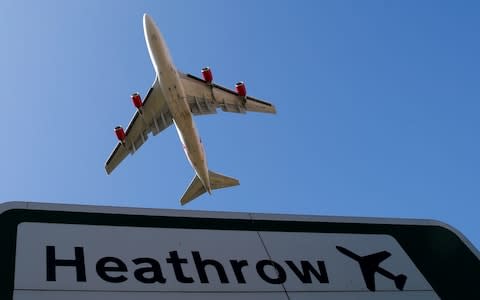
(218, 181)
(196, 188)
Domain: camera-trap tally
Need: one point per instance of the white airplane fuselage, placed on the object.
(175, 97)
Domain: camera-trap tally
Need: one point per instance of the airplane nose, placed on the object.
(150, 29)
(146, 17)
(147, 21)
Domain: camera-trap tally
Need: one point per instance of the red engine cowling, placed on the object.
(207, 74)
(137, 100)
(120, 133)
(241, 89)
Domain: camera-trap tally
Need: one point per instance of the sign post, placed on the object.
(52, 251)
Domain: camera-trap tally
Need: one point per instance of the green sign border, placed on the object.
(447, 263)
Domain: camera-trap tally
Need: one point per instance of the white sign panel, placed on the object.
(60, 261)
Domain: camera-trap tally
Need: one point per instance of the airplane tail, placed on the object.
(196, 188)
(400, 281)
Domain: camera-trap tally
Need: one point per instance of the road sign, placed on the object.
(52, 251)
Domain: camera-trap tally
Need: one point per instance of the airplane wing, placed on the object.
(154, 118)
(205, 98)
(375, 259)
(369, 277)
(369, 266)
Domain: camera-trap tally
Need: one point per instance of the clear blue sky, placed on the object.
(378, 105)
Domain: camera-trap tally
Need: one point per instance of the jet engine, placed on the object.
(120, 133)
(137, 100)
(207, 74)
(241, 89)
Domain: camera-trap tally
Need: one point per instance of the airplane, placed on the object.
(173, 99)
(369, 265)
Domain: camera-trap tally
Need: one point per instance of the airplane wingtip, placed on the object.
(107, 170)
